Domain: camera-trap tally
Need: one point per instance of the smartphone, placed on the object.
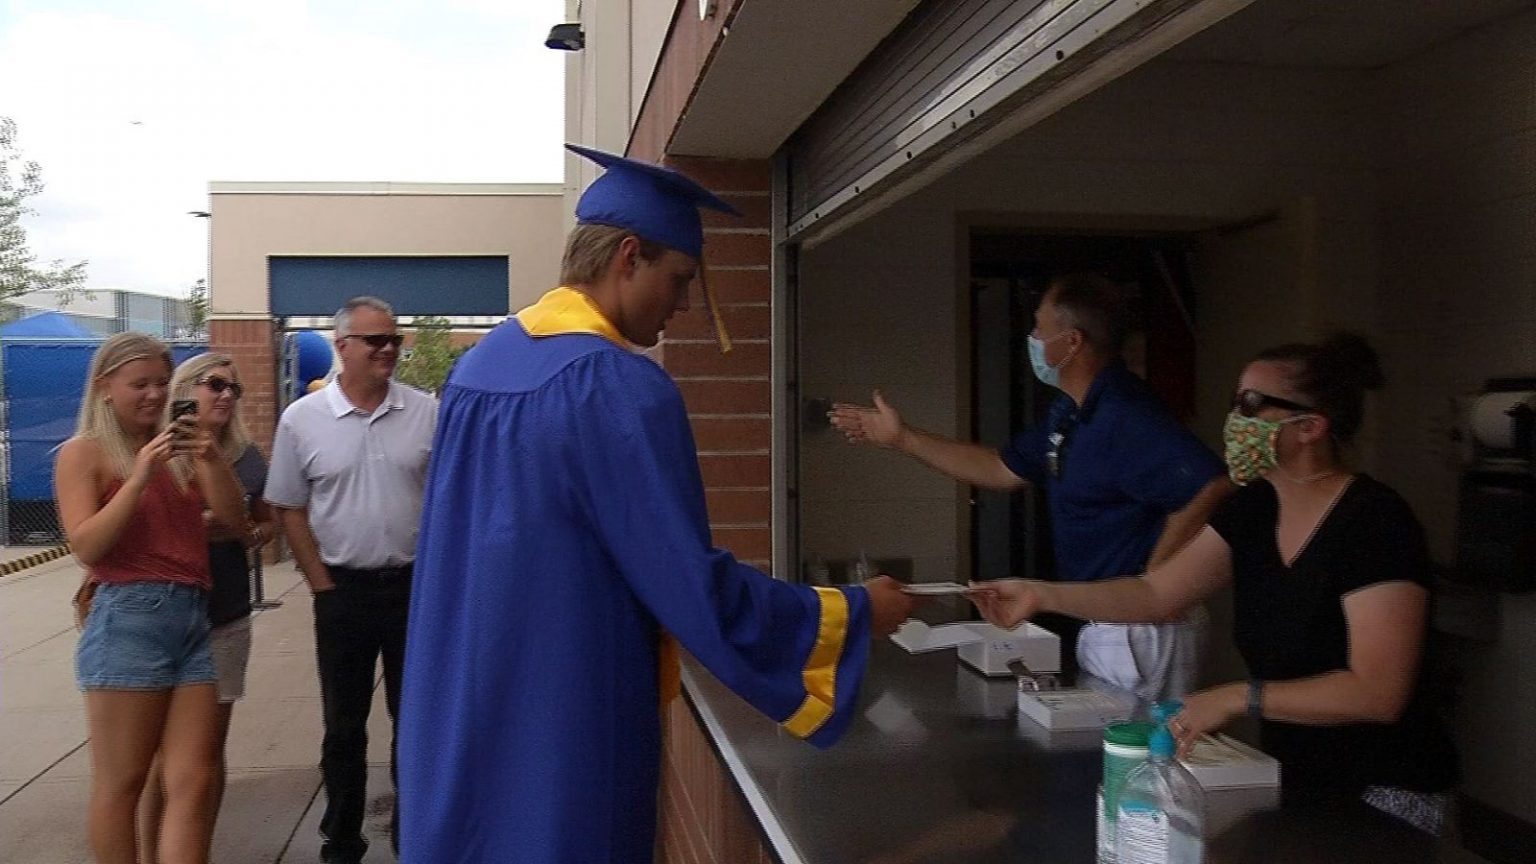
(181, 408)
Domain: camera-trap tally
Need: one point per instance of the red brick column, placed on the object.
(729, 395)
(250, 343)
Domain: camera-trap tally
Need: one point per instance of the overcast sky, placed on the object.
(133, 107)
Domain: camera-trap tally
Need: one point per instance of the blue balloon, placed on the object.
(315, 357)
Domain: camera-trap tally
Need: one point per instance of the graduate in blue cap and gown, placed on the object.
(564, 545)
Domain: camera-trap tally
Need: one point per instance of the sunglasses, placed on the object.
(377, 341)
(1250, 402)
(219, 385)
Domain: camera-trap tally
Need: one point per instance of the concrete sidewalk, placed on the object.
(272, 809)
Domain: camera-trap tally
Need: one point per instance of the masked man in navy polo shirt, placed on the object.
(1127, 485)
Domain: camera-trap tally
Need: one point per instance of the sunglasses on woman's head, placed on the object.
(219, 385)
(379, 340)
(1250, 402)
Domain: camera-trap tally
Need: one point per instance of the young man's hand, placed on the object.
(888, 606)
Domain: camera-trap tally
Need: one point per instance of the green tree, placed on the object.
(20, 179)
(432, 355)
(197, 308)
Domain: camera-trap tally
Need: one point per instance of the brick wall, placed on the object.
(729, 395)
(703, 818)
(250, 343)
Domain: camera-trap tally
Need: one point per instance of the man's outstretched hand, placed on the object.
(880, 425)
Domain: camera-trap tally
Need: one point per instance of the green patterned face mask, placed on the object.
(1251, 446)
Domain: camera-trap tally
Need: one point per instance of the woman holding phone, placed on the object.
(143, 660)
(210, 384)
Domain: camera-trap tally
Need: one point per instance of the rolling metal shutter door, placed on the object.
(952, 69)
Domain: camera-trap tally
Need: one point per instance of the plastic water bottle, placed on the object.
(1161, 817)
(1125, 750)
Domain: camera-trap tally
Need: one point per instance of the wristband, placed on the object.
(1256, 699)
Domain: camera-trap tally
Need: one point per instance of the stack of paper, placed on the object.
(1220, 762)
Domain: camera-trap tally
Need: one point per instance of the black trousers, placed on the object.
(360, 620)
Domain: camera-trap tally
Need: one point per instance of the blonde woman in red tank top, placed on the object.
(143, 657)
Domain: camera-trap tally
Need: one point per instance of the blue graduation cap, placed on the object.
(658, 204)
(655, 202)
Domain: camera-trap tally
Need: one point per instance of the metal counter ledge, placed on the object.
(938, 767)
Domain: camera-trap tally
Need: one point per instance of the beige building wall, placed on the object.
(1458, 306)
(606, 83)
(252, 221)
(880, 308)
(649, 22)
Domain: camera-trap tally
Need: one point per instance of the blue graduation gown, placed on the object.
(564, 531)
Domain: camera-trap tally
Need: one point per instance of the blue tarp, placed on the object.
(45, 325)
(44, 382)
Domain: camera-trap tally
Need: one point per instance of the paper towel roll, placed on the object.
(1490, 421)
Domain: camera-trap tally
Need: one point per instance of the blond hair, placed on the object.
(590, 248)
(98, 422)
(234, 439)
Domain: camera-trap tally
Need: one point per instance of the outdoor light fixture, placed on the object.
(566, 37)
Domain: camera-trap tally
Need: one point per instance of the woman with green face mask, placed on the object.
(1330, 573)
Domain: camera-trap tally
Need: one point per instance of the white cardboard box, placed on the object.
(983, 647)
(1037, 648)
(1065, 710)
(1238, 781)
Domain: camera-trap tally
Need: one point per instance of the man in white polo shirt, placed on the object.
(348, 467)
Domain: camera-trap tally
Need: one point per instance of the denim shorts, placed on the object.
(145, 636)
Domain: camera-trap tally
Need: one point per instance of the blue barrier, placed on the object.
(44, 382)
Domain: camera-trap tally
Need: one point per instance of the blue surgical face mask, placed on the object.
(1049, 375)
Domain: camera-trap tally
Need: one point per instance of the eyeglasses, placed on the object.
(219, 385)
(1250, 402)
(377, 341)
(1058, 441)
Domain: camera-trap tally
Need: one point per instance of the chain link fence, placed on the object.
(41, 384)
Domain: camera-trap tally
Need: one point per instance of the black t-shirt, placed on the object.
(1290, 624)
(228, 561)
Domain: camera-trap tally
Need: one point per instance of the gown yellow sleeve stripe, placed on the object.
(820, 673)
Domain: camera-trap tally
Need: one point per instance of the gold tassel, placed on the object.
(722, 336)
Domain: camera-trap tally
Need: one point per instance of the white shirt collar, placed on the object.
(341, 407)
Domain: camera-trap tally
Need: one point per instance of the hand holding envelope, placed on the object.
(889, 605)
(1006, 603)
(935, 589)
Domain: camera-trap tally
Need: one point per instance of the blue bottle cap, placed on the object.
(1162, 744)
